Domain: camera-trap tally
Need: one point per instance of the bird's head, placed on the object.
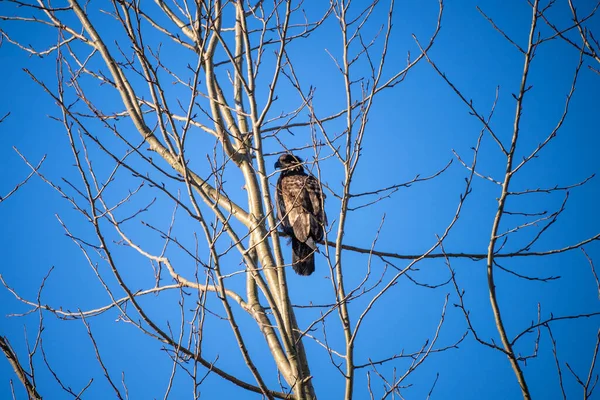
(289, 163)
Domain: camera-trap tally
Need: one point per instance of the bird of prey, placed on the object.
(300, 200)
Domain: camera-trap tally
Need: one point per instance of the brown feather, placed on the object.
(299, 199)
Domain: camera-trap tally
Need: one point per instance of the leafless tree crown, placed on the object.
(174, 113)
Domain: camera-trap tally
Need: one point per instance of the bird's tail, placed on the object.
(303, 258)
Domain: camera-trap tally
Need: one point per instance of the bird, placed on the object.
(300, 201)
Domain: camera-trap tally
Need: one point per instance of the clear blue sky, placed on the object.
(412, 130)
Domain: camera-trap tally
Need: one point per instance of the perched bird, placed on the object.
(300, 201)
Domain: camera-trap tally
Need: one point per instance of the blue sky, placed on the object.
(413, 129)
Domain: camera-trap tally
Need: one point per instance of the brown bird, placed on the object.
(300, 201)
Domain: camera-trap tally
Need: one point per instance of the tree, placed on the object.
(475, 281)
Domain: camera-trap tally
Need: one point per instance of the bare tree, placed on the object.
(174, 113)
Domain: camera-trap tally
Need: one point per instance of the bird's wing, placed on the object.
(316, 197)
(296, 203)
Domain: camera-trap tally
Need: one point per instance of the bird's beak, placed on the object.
(277, 165)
